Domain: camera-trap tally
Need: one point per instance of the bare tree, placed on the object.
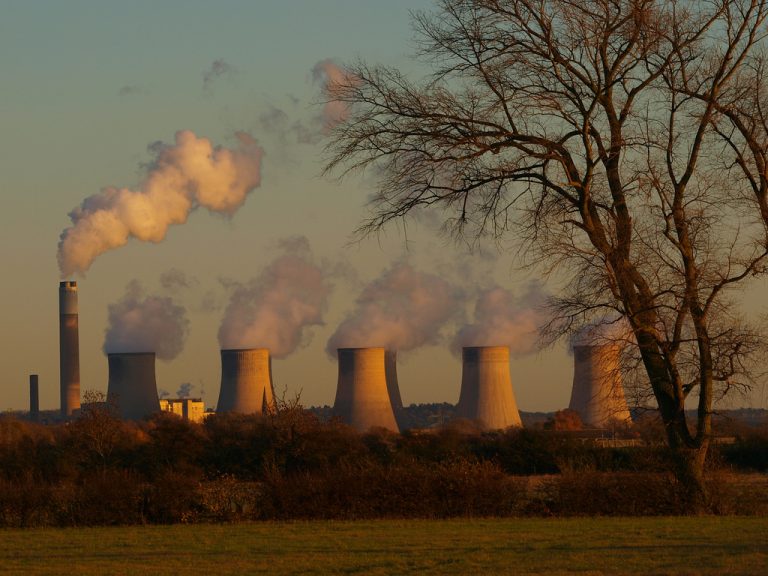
(621, 143)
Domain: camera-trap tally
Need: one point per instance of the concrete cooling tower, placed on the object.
(69, 348)
(362, 397)
(246, 382)
(393, 388)
(598, 394)
(486, 388)
(132, 384)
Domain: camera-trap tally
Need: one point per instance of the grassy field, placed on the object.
(708, 545)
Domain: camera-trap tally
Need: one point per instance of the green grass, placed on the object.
(707, 545)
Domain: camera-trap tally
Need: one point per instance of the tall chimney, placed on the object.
(598, 394)
(69, 348)
(362, 396)
(132, 384)
(246, 382)
(34, 398)
(486, 388)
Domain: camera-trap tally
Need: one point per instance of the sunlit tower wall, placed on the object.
(34, 398)
(598, 393)
(486, 394)
(362, 396)
(132, 384)
(246, 382)
(69, 348)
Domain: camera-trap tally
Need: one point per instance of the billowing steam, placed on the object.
(401, 310)
(273, 310)
(502, 319)
(607, 331)
(332, 79)
(184, 176)
(139, 323)
(184, 391)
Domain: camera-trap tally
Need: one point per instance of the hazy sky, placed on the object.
(90, 88)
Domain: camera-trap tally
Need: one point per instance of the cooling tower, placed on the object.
(362, 396)
(393, 388)
(246, 382)
(486, 388)
(69, 348)
(132, 385)
(598, 394)
(34, 398)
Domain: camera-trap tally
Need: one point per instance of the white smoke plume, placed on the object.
(502, 319)
(139, 323)
(273, 310)
(184, 391)
(402, 310)
(332, 79)
(183, 177)
(602, 332)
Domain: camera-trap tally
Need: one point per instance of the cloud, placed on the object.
(219, 68)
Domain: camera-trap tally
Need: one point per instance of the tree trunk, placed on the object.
(688, 462)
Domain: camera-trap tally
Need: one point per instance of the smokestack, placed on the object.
(486, 388)
(598, 394)
(246, 382)
(34, 398)
(132, 384)
(362, 395)
(69, 348)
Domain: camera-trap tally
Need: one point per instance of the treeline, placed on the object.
(99, 470)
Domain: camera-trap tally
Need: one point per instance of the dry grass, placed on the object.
(706, 545)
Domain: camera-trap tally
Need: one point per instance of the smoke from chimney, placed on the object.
(333, 80)
(139, 323)
(501, 318)
(401, 310)
(183, 177)
(273, 310)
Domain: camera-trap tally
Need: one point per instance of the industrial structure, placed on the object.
(132, 385)
(486, 388)
(192, 409)
(598, 393)
(393, 387)
(34, 398)
(246, 382)
(362, 395)
(69, 348)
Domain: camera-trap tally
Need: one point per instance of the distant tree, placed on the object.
(623, 144)
(564, 420)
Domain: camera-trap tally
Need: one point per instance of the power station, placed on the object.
(246, 382)
(598, 393)
(69, 348)
(362, 396)
(486, 388)
(132, 385)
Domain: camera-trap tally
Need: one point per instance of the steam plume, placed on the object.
(501, 319)
(332, 80)
(273, 310)
(184, 176)
(139, 323)
(401, 310)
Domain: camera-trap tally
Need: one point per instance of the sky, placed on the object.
(99, 94)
